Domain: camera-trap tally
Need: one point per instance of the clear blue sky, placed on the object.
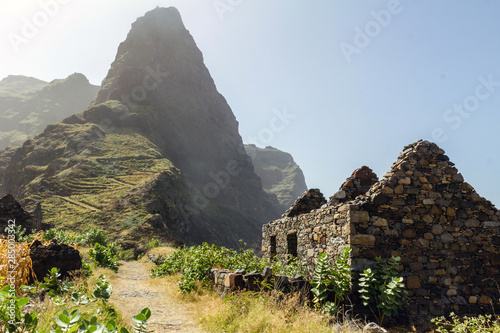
(360, 84)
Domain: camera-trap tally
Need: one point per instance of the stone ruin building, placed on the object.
(10, 209)
(448, 237)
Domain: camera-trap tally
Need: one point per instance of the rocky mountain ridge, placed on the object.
(27, 104)
(279, 173)
(158, 154)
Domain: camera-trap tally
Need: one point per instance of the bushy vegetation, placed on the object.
(194, 263)
(481, 323)
(53, 285)
(11, 316)
(331, 280)
(89, 238)
(154, 243)
(73, 308)
(382, 289)
(104, 256)
(20, 234)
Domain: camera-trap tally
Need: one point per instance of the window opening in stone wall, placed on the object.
(273, 246)
(291, 240)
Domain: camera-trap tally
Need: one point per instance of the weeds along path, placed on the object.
(133, 290)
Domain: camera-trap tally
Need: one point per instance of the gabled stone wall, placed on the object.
(448, 237)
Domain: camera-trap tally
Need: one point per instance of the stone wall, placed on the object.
(322, 230)
(448, 237)
(359, 183)
(226, 282)
(309, 200)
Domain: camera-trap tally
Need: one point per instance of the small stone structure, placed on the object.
(448, 237)
(10, 209)
(226, 282)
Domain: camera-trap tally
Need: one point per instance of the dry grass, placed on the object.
(261, 313)
(248, 312)
(162, 251)
(15, 259)
(253, 313)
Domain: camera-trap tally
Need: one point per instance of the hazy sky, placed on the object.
(353, 81)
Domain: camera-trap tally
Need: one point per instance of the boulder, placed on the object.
(62, 256)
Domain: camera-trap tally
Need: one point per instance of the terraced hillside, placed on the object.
(102, 182)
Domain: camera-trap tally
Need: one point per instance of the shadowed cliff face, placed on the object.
(160, 139)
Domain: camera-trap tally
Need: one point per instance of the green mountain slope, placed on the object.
(27, 104)
(158, 154)
(279, 173)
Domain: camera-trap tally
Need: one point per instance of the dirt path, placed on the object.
(133, 290)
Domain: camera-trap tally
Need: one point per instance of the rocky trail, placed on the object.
(133, 290)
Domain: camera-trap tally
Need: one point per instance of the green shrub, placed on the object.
(62, 236)
(104, 256)
(103, 290)
(194, 263)
(54, 286)
(486, 323)
(93, 236)
(86, 270)
(154, 243)
(20, 233)
(382, 289)
(11, 316)
(327, 280)
(73, 322)
(89, 238)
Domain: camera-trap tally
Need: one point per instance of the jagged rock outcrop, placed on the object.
(157, 154)
(27, 104)
(11, 210)
(279, 173)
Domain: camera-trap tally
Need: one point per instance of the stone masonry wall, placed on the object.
(359, 183)
(323, 230)
(448, 237)
(309, 200)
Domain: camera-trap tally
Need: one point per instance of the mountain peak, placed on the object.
(157, 46)
(166, 90)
